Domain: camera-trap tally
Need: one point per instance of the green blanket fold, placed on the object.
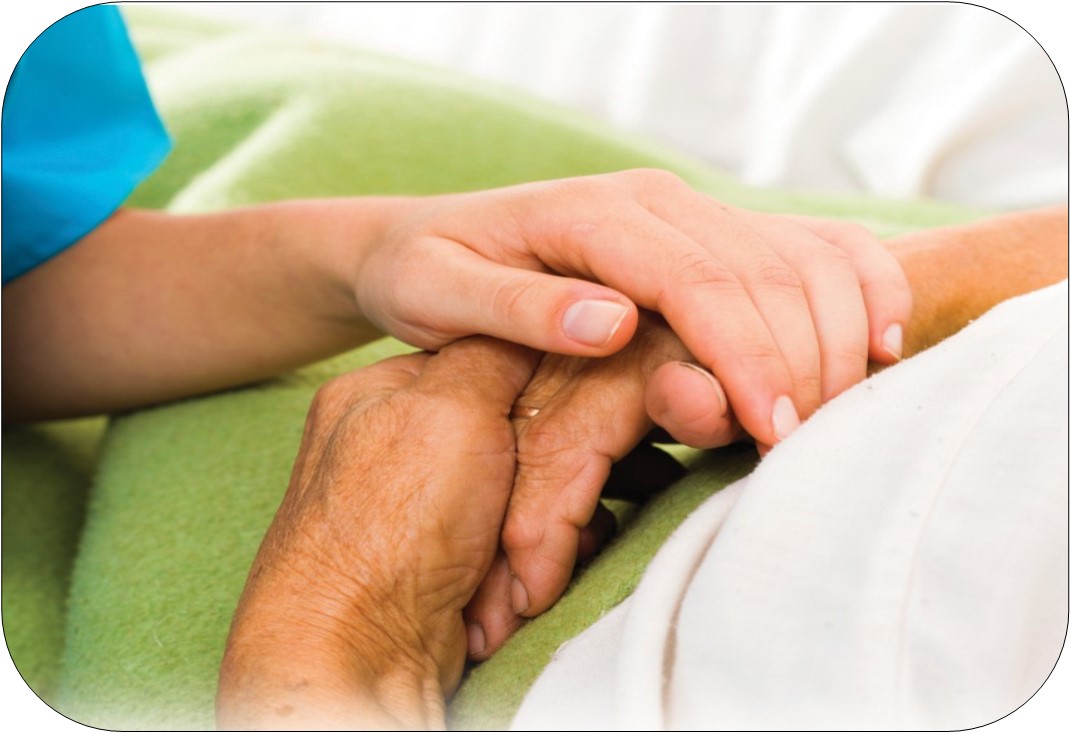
(182, 493)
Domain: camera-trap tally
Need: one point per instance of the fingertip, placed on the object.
(477, 640)
(889, 345)
(555, 493)
(596, 533)
(489, 619)
(518, 594)
(539, 577)
(785, 417)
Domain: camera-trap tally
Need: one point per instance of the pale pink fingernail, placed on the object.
(519, 596)
(717, 388)
(477, 640)
(892, 341)
(785, 418)
(593, 322)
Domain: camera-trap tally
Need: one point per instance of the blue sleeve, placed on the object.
(79, 132)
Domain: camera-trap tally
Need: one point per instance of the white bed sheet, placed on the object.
(899, 563)
(945, 100)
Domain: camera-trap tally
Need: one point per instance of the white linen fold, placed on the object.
(899, 563)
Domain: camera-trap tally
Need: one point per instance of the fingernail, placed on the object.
(519, 596)
(893, 340)
(593, 322)
(785, 418)
(717, 388)
(477, 640)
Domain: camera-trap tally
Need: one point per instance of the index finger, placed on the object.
(584, 424)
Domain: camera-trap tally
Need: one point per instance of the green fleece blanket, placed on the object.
(116, 608)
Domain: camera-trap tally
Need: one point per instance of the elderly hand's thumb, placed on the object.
(689, 403)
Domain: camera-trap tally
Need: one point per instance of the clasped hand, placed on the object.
(352, 613)
(422, 523)
(785, 311)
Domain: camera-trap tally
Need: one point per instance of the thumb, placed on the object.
(547, 312)
(689, 403)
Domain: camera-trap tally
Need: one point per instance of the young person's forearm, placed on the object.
(151, 307)
(957, 273)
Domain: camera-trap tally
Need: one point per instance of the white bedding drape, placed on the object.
(945, 100)
(899, 563)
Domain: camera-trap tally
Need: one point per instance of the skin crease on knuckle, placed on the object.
(696, 270)
(567, 465)
(553, 467)
(772, 274)
(655, 182)
(557, 446)
(819, 253)
(509, 301)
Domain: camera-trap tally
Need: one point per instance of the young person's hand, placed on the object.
(578, 417)
(151, 306)
(783, 316)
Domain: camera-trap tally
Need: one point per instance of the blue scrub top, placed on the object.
(79, 133)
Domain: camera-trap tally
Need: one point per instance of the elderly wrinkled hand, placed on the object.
(576, 419)
(351, 615)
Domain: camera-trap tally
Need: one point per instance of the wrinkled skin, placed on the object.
(351, 614)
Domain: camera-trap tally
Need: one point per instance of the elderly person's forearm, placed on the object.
(957, 273)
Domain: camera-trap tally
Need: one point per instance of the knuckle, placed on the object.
(511, 299)
(586, 188)
(831, 264)
(845, 370)
(833, 256)
(696, 270)
(653, 181)
(850, 364)
(847, 234)
(772, 274)
(333, 400)
(760, 352)
(450, 414)
(852, 231)
(808, 389)
(331, 394)
(521, 531)
(543, 445)
(553, 461)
